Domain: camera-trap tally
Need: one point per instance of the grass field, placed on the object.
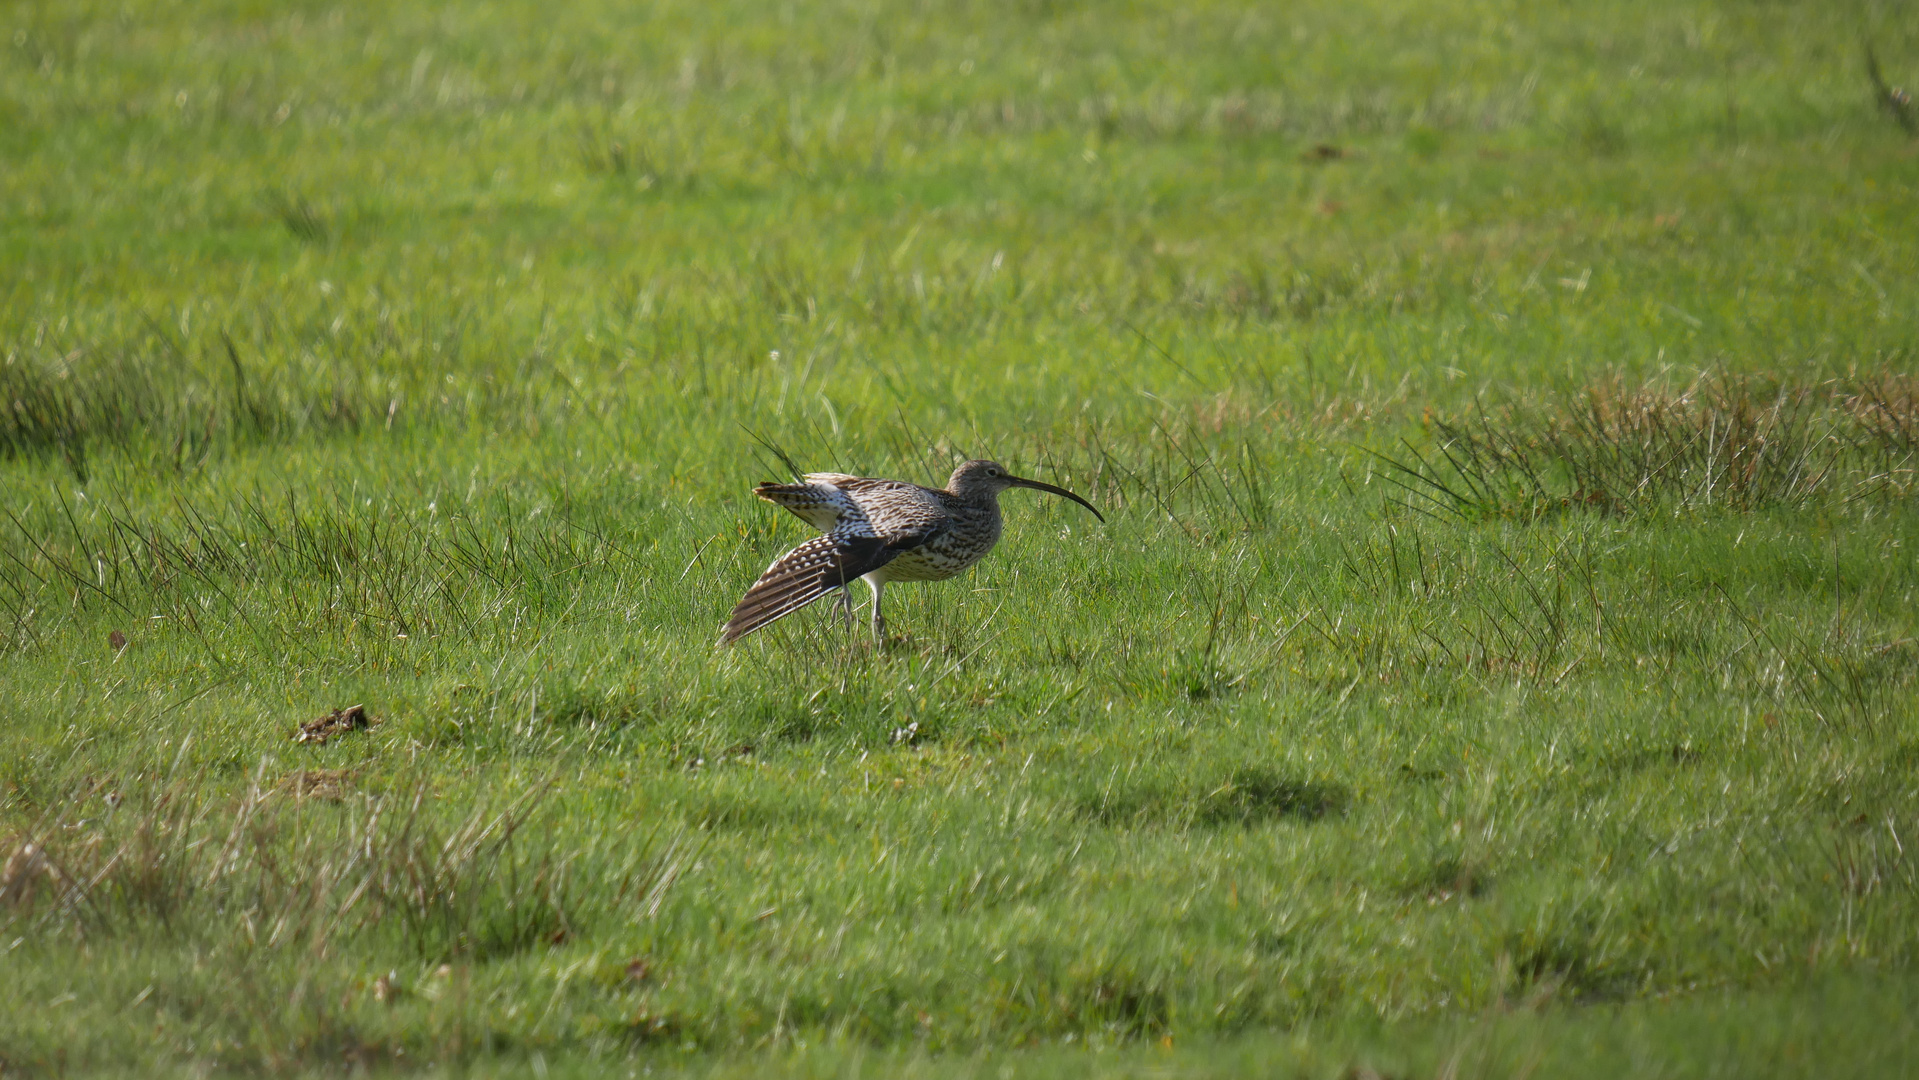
(1501, 656)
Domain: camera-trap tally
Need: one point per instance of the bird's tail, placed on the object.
(795, 580)
(818, 504)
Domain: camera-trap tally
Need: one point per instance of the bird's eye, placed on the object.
(992, 472)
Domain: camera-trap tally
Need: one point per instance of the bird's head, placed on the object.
(977, 479)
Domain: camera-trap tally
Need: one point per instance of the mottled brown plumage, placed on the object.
(879, 530)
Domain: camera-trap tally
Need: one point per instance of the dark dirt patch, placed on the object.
(1247, 797)
(330, 785)
(1252, 796)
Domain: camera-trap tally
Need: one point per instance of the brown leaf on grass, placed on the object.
(118, 640)
(25, 868)
(1324, 152)
(648, 1026)
(1895, 100)
(387, 987)
(639, 969)
(337, 722)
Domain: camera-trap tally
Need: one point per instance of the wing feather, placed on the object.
(802, 576)
(906, 515)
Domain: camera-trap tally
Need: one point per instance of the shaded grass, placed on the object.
(1738, 442)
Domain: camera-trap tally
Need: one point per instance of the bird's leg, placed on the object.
(879, 621)
(846, 606)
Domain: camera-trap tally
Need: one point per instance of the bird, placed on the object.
(880, 530)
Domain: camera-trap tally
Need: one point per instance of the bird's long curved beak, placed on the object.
(1017, 481)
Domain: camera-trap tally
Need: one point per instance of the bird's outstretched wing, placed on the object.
(805, 574)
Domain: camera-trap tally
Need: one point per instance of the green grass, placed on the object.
(1499, 658)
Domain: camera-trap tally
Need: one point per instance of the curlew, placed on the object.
(880, 530)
